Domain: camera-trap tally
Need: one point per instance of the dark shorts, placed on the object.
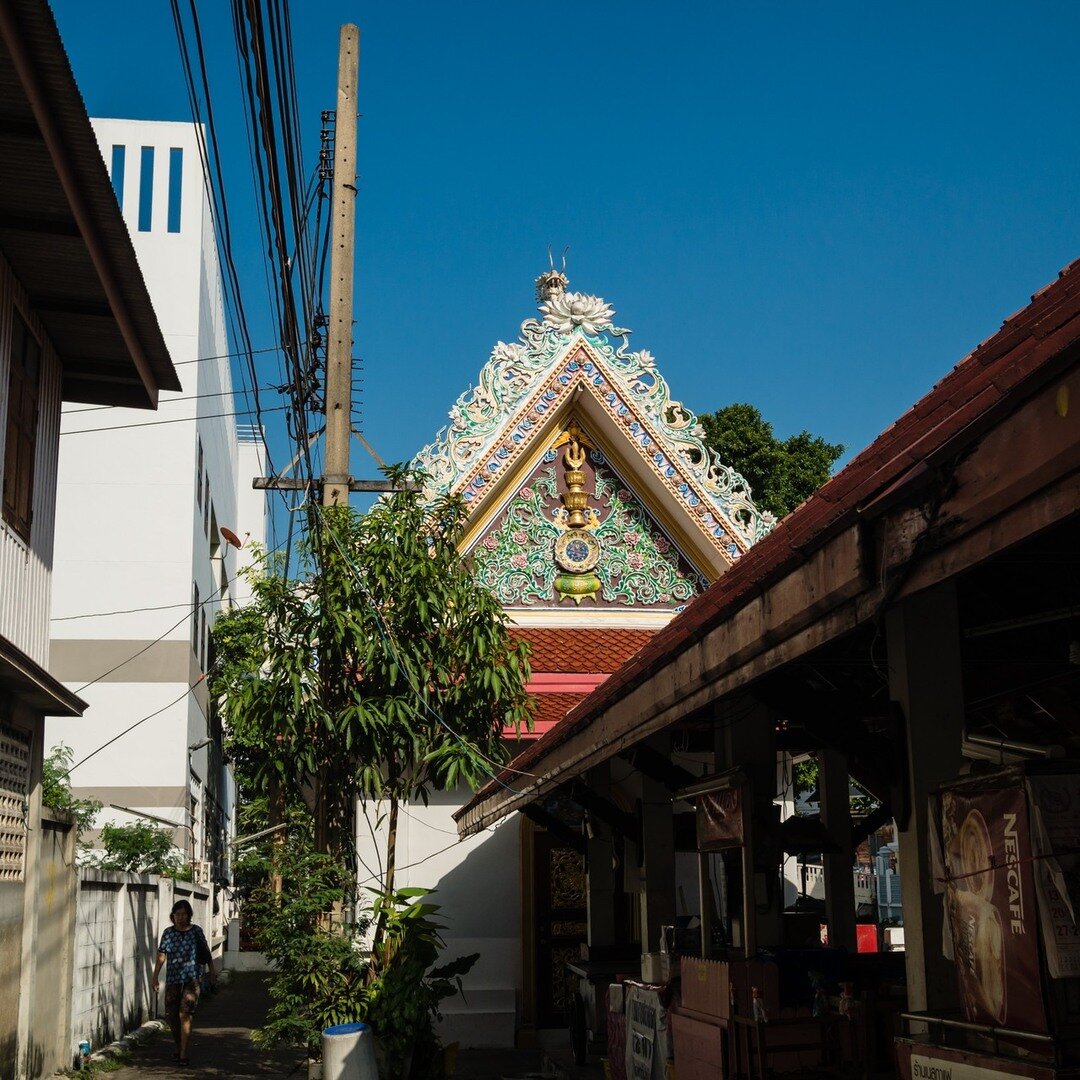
(182, 999)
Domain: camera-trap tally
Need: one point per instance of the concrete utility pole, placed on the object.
(336, 481)
(336, 475)
(336, 469)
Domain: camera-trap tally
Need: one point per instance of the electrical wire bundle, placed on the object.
(295, 240)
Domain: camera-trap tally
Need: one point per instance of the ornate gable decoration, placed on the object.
(574, 347)
(601, 544)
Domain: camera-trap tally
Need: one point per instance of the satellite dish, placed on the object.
(231, 537)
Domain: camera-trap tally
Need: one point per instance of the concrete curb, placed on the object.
(132, 1039)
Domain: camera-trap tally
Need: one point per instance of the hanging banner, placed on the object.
(720, 818)
(1055, 841)
(991, 904)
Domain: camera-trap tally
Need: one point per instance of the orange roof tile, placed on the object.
(550, 709)
(596, 650)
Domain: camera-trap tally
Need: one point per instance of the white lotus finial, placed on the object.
(565, 312)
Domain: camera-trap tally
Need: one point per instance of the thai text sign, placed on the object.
(1055, 839)
(647, 1042)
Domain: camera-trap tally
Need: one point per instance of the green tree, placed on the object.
(140, 848)
(384, 672)
(56, 791)
(781, 472)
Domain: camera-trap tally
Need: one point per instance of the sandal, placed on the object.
(183, 1061)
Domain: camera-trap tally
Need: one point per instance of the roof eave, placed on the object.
(29, 35)
(34, 686)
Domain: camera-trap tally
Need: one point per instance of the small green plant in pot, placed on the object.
(408, 984)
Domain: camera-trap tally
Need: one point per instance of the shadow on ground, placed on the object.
(221, 1043)
(221, 1046)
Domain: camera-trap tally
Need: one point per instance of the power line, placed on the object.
(167, 401)
(122, 611)
(267, 79)
(176, 420)
(211, 599)
(215, 187)
(226, 356)
(132, 727)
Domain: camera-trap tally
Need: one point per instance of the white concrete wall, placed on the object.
(120, 919)
(251, 506)
(478, 887)
(136, 531)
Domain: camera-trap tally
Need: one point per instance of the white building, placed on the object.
(141, 564)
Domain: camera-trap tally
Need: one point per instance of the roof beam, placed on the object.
(620, 821)
(659, 768)
(559, 829)
(49, 226)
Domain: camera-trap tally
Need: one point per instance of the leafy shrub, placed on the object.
(140, 848)
(320, 968)
(407, 986)
(324, 974)
(56, 790)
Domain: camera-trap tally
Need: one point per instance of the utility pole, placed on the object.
(337, 480)
(339, 342)
(336, 474)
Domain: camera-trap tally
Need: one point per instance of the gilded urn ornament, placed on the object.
(577, 550)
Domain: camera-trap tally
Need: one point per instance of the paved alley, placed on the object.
(221, 1042)
(221, 1045)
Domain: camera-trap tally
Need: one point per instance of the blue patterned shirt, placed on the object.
(180, 947)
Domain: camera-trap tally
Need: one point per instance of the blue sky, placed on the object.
(817, 208)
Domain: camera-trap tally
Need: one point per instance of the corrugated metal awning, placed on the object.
(61, 229)
(32, 685)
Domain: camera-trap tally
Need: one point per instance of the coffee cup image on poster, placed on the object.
(990, 905)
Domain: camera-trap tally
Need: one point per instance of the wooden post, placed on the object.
(599, 863)
(923, 641)
(657, 886)
(745, 739)
(336, 474)
(835, 802)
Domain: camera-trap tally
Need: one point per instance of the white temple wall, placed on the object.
(478, 889)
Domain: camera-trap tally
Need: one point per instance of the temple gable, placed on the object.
(664, 518)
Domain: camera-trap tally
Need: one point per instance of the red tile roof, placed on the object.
(1026, 350)
(593, 650)
(550, 709)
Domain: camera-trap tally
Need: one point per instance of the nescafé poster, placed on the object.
(991, 905)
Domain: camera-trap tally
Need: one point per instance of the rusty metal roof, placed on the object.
(60, 226)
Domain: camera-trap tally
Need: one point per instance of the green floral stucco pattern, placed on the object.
(639, 566)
